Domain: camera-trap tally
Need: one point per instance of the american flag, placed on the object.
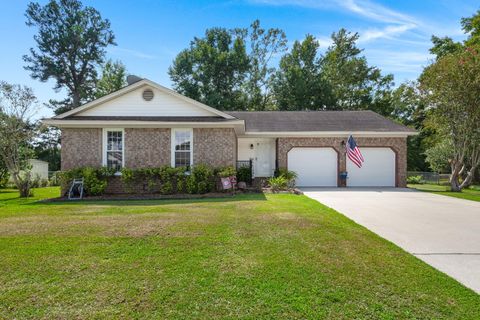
(353, 152)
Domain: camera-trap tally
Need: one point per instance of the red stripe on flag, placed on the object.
(354, 154)
(353, 157)
(357, 150)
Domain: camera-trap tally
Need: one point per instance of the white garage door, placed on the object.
(378, 170)
(315, 167)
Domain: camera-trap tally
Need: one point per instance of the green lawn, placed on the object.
(469, 194)
(252, 256)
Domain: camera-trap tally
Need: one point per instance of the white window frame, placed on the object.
(104, 146)
(172, 145)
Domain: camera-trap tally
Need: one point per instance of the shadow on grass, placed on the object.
(151, 202)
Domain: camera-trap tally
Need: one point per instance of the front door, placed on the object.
(264, 153)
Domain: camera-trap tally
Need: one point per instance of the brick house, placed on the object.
(147, 125)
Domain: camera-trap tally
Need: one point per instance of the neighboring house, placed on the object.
(147, 125)
(39, 168)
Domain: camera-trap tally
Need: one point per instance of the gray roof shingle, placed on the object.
(295, 121)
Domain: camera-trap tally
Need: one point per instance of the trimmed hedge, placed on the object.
(164, 180)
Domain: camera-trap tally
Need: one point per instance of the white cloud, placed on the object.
(386, 33)
(376, 12)
(324, 42)
(393, 60)
(395, 41)
(363, 8)
(398, 22)
(134, 53)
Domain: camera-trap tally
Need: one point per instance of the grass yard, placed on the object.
(252, 256)
(472, 193)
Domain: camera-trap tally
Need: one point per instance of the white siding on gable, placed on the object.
(132, 104)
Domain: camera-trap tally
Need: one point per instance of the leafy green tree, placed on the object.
(471, 26)
(213, 69)
(17, 106)
(446, 45)
(264, 46)
(439, 155)
(298, 84)
(114, 77)
(71, 44)
(451, 84)
(443, 46)
(353, 83)
(410, 108)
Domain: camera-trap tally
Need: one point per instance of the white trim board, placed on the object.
(65, 123)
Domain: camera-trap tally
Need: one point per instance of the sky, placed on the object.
(395, 35)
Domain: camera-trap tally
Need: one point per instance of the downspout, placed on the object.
(276, 155)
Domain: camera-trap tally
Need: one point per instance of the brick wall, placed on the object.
(81, 147)
(216, 147)
(398, 145)
(147, 147)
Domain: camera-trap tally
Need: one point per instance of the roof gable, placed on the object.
(128, 102)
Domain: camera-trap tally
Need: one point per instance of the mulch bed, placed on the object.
(153, 196)
(289, 191)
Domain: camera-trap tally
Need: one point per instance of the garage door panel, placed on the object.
(315, 167)
(378, 170)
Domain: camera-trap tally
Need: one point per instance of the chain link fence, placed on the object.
(430, 177)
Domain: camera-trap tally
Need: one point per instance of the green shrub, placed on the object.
(163, 179)
(180, 188)
(227, 172)
(166, 188)
(244, 174)
(278, 183)
(191, 185)
(168, 180)
(290, 176)
(201, 180)
(54, 181)
(94, 179)
(203, 187)
(415, 180)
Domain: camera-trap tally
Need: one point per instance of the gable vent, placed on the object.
(147, 95)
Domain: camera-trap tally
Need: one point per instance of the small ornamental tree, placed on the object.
(17, 105)
(452, 85)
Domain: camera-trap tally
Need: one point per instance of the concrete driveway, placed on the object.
(442, 231)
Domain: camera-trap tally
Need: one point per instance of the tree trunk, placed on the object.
(469, 178)
(454, 177)
(23, 185)
(75, 99)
